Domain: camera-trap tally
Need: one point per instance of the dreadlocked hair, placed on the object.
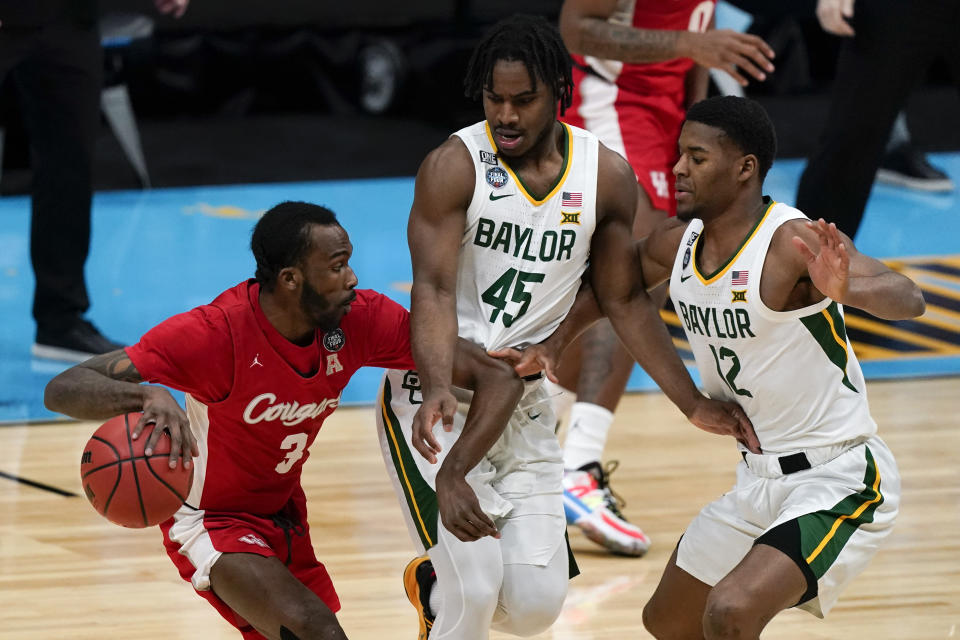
(527, 39)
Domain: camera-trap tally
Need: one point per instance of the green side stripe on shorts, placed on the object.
(824, 533)
(420, 496)
(828, 330)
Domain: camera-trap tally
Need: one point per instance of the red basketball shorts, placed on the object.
(644, 129)
(194, 540)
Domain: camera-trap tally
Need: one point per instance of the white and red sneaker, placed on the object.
(595, 509)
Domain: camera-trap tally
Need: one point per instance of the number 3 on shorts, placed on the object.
(297, 442)
(496, 294)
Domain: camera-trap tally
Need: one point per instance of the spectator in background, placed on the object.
(638, 65)
(888, 46)
(51, 50)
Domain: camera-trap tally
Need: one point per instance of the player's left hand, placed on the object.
(176, 8)
(460, 510)
(439, 406)
(829, 263)
(533, 359)
(725, 419)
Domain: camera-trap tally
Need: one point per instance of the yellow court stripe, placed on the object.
(854, 515)
(866, 351)
(520, 187)
(403, 470)
(880, 328)
(732, 260)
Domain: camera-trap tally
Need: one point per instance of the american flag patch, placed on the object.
(738, 278)
(571, 199)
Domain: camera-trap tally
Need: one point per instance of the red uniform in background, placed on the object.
(637, 109)
(256, 402)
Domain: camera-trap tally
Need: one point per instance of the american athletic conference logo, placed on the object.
(496, 177)
(334, 340)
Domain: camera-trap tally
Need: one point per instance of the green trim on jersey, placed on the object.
(420, 496)
(823, 534)
(566, 144)
(710, 279)
(828, 330)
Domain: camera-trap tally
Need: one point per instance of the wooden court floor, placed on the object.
(66, 573)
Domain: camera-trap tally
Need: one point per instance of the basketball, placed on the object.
(125, 486)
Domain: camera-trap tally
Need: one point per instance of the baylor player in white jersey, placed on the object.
(759, 289)
(519, 269)
(521, 256)
(742, 345)
(506, 214)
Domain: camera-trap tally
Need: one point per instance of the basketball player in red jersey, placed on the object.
(638, 64)
(262, 366)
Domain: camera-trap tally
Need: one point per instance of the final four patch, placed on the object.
(686, 258)
(496, 177)
(334, 340)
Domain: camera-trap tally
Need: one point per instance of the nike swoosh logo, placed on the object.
(685, 278)
(506, 195)
(534, 417)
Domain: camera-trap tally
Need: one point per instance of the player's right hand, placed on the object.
(725, 419)
(438, 406)
(732, 51)
(533, 359)
(160, 409)
(460, 510)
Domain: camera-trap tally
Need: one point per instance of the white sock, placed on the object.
(561, 398)
(586, 435)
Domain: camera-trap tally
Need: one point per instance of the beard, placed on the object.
(322, 313)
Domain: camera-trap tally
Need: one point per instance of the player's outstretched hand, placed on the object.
(439, 406)
(160, 409)
(829, 263)
(460, 510)
(733, 52)
(533, 359)
(725, 419)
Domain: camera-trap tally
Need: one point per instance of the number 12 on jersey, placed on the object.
(497, 294)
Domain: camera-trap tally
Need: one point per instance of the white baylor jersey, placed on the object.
(793, 372)
(521, 258)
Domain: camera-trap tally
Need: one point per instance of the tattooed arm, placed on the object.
(109, 385)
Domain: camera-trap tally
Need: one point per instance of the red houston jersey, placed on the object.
(255, 400)
(658, 78)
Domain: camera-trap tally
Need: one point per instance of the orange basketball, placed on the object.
(125, 486)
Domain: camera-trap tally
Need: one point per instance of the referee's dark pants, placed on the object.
(895, 44)
(57, 69)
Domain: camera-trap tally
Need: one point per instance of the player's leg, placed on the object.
(605, 368)
(264, 592)
(467, 587)
(766, 582)
(676, 608)
(532, 595)
(460, 581)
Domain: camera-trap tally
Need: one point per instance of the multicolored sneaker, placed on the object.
(418, 578)
(595, 509)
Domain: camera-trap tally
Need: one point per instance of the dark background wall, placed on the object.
(253, 91)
